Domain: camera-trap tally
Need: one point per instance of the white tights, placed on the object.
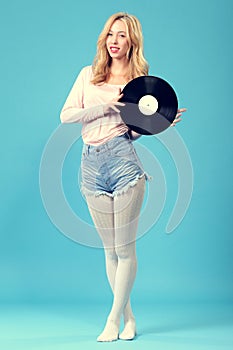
(116, 220)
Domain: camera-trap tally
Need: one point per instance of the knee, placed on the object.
(126, 252)
(110, 253)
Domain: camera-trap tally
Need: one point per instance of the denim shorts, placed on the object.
(111, 168)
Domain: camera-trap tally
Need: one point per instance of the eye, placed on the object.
(109, 34)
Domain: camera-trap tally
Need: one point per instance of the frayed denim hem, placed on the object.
(86, 192)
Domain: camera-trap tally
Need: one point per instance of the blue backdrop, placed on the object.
(44, 45)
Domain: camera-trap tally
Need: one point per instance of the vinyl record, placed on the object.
(150, 105)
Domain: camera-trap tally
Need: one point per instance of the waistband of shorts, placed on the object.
(109, 143)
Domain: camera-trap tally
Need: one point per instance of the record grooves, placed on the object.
(150, 105)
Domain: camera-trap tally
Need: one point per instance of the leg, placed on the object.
(101, 209)
(126, 214)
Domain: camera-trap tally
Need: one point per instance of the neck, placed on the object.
(119, 67)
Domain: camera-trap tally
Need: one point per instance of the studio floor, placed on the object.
(160, 326)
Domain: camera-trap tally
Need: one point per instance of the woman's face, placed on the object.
(116, 42)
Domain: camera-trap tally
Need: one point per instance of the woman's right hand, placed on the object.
(112, 105)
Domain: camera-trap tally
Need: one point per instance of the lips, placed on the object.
(114, 49)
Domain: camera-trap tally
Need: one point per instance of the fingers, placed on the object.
(178, 115)
(175, 121)
(120, 96)
(113, 106)
(117, 98)
(119, 103)
(181, 110)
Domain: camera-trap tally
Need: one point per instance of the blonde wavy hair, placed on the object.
(138, 66)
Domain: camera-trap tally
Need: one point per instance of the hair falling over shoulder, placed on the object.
(138, 66)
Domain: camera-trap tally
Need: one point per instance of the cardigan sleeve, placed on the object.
(73, 110)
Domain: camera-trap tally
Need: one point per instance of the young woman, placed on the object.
(113, 180)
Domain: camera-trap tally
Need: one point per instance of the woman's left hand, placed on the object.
(178, 116)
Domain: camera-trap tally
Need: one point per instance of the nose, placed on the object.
(114, 39)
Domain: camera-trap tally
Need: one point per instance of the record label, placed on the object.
(148, 104)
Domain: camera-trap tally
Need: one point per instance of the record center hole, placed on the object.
(148, 105)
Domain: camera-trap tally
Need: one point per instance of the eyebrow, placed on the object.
(120, 31)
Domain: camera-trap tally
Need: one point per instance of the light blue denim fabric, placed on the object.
(110, 168)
